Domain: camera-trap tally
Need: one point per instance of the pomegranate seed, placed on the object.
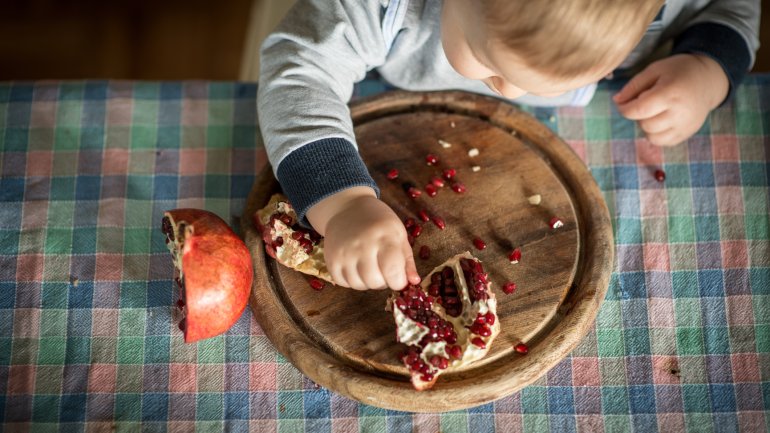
(454, 351)
(278, 242)
(410, 238)
(431, 159)
(316, 284)
(449, 173)
(479, 244)
(437, 182)
(521, 348)
(660, 175)
(555, 223)
(286, 219)
(413, 192)
(431, 190)
(409, 222)
(182, 324)
(424, 252)
(423, 214)
(479, 342)
(514, 256)
(180, 303)
(458, 187)
(509, 288)
(439, 222)
(426, 377)
(297, 235)
(392, 174)
(416, 230)
(435, 360)
(490, 318)
(481, 319)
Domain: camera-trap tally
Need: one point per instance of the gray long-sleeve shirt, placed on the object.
(310, 63)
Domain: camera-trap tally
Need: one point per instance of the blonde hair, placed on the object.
(564, 38)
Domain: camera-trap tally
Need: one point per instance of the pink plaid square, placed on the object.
(665, 369)
(35, 215)
(192, 162)
(661, 312)
(183, 378)
(26, 323)
(39, 163)
(119, 111)
(579, 146)
(730, 200)
(105, 322)
(725, 148)
(734, 254)
(43, 114)
(262, 376)
(648, 154)
(109, 267)
(115, 161)
(102, 378)
(653, 202)
(21, 379)
(745, 367)
(585, 371)
(656, 257)
(195, 112)
(29, 267)
(740, 310)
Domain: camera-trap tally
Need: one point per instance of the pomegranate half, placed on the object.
(215, 271)
(448, 321)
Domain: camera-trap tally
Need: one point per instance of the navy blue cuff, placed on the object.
(319, 169)
(721, 43)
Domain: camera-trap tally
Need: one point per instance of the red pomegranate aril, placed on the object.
(426, 377)
(490, 318)
(425, 252)
(316, 284)
(458, 187)
(435, 360)
(182, 324)
(297, 235)
(409, 222)
(278, 242)
(439, 222)
(454, 351)
(483, 330)
(509, 288)
(431, 190)
(180, 303)
(521, 348)
(480, 319)
(514, 256)
(413, 192)
(479, 244)
(660, 175)
(416, 230)
(410, 239)
(437, 182)
(477, 341)
(286, 219)
(423, 214)
(431, 159)
(392, 174)
(555, 223)
(449, 173)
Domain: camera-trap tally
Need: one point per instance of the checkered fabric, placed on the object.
(88, 329)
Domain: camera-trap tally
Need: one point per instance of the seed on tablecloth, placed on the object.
(660, 175)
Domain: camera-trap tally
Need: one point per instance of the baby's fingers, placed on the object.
(351, 275)
(392, 265)
(657, 124)
(411, 268)
(369, 270)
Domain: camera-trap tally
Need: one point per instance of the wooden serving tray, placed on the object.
(344, 339)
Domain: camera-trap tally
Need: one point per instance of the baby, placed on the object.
(531, 51)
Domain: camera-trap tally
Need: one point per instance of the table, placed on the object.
(88, 327)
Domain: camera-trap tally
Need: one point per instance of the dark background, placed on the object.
(143, 39)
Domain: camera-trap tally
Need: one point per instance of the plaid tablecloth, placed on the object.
(88, 330)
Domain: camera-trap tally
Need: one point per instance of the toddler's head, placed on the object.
(541, 47)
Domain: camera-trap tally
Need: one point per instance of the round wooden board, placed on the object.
(345, 340)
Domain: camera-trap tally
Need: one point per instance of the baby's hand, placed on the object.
(365, 244)
(671, 98)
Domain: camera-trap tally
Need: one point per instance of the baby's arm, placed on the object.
(672, 97)
(308, 68)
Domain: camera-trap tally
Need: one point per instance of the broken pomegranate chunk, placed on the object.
(448, 321)
(215, 271)
(521, 348)
(431, 159)
(509, 288)
(514, 256)
(392, 174)
(316, 284)
(555, 223)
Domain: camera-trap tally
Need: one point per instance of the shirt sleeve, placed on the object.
(726, 31)
(309, 65)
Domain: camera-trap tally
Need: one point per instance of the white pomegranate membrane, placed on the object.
(447, 322)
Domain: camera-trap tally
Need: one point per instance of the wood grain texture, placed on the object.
(344, 340)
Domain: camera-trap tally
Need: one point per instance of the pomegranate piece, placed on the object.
(437, 182)
(392, 174)
(660, 175)
(449, 173)
(458, 187)
(317, 284)
(555, 223)
(423, 214)
(509, 288)
(447, 322)
(413, 192)
(431, 190)
(215, 271)
(439, 222)
(479, 244)
(521, 348)
(514, 256)
(416, 230)
(425, 252)
(431, 159)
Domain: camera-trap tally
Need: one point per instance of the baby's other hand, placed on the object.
(672, 97)
(365, 244)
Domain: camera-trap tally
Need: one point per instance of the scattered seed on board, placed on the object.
(444, 144)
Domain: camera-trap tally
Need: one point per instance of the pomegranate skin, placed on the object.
(217, 270)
